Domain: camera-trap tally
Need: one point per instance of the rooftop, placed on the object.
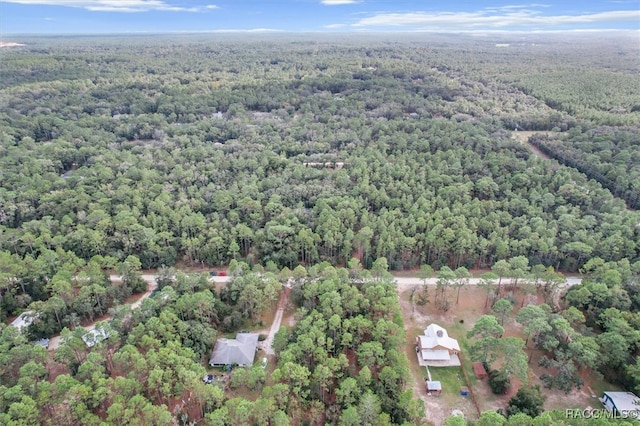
(435, 336)
(624, 401)
(240, 350)
(24, 320)
(42, 342)
(437, 355)
(433, 385)
(95, 336)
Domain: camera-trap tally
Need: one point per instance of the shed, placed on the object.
(479, 370)
(622, 403)
(433, 387)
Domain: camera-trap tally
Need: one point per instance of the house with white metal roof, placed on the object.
(625, 404)
(435, 348)
(24, 320)
(97, 334)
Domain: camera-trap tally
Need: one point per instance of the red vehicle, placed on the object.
(222, 273)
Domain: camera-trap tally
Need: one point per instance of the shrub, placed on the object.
(499, 382)
(528, 401)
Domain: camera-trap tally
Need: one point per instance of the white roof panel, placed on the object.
(437, 355)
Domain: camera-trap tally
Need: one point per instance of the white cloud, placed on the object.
(510, 18)
(338, 2)
(508, 7)
(333, 26)
(116, 5)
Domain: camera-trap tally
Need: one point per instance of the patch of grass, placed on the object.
(459, 331)
(452, 380)
(405, 273)
(267, 317)
(595, 384)
(244, 393)
(599, 385)
(218, 371)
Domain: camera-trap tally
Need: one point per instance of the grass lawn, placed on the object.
(597, 385)
(452, 380)
(450, 377)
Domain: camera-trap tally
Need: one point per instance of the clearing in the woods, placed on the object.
(458, 321)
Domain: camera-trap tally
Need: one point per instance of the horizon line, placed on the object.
(263, 31)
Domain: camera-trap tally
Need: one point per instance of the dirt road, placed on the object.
(523, 137)
(267, 345)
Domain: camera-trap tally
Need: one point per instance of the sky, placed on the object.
(443, 16)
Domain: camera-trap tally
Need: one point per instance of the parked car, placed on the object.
(213, 273)
(209, 378)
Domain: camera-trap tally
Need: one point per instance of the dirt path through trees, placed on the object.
(267, 345)
(55, 341)
(523, 138)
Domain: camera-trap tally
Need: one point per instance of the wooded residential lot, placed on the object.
(306, 168)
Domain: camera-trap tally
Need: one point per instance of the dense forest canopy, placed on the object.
(302, 155)
(208, 150)
(609, 155)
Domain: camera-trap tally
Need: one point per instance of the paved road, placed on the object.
(152, 285)
(571, 281)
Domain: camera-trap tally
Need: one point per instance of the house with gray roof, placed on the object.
(239, 351)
